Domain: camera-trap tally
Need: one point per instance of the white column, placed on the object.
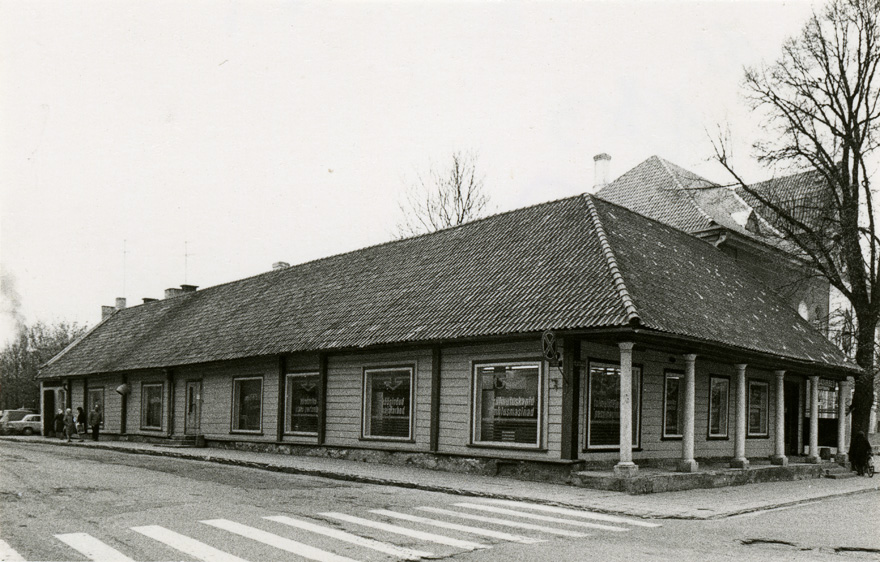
(813, 457)
(688, 464)
(739, 450)
(779, 457)
(625, 466)
(842, 446)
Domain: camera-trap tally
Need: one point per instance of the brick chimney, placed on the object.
(280, 265)
(601, 165)
(189, 288)
(172, 292)
(148, 300)
(120, 303)
(107, 311)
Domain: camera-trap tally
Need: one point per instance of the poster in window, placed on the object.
(674, 406)
(389, 403)
(509, 403)
(718, 405)
(604, 405)
(303, 403)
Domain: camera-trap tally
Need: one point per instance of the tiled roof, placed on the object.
(569, 264)
(804, 195)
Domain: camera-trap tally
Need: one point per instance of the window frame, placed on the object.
(476, 403)
(638, 371)
(766, 410)
(288, 402)
(366, 403)
(726, 434)
(672, 374)
(235, 410)
(145, 406)
(90, 404)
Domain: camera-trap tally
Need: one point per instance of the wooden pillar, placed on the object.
(436, 358)
(282, 398)
(169, 378)
(739, 448)
(322, 397)
(779, 457)
(571, 353)
(626, 466)
(688, 464)
(813, 457)
(842, 419)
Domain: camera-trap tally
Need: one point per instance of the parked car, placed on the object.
(11, 416)
(28, 425)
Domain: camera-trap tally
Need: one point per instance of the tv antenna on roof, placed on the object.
(186, 256)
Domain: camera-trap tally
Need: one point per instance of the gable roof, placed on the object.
(570, 264)
(805, 195)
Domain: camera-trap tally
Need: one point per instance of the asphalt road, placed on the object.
(72, 503)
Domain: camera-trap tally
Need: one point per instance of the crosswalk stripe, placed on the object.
(399, 552)
(92, 548)
(575, 513)
(535, 516)
(282, 543)
(506, 522)
(430, 537)
(187, 545)
(8, 554)
(456, 527)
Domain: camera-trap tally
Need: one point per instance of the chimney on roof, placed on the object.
(149, 300)
(189, 288)
(107, 311)
(172, 292)
(601, 164)
(120, 303)
(280, 265)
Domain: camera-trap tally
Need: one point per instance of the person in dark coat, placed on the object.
(859, 452)
(95, 419)
(81, 420)
(59, 424)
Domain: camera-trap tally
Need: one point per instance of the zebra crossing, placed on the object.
(424, 536)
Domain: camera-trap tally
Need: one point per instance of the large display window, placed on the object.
(247, 404)
(603, 405)
(302, 403)
(388, 403)
(508, 404)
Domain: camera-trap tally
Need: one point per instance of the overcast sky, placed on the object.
(244, 133)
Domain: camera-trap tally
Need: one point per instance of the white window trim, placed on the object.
(636, 405)
(766, 411)
(288, 398)
(726, 407)
(144, 408)
(365, 402)
(475, 405)
(234, 410)
(679, 376)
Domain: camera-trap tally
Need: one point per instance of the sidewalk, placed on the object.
(711, 503)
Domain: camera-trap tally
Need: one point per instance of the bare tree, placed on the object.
(821, 105)
(444, 198)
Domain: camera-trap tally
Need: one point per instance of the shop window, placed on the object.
(603, 405)
(95, 397)
(759, 401)
(508, 407)
(673, 405)
(388, 403)
(247, 404)
(151, 405)
(828, 397)
(302, 403)
(719, 406)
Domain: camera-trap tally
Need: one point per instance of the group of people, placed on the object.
(68, 426)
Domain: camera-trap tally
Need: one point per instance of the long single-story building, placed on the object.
(570, 332)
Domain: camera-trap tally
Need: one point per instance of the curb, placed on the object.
(363, 479)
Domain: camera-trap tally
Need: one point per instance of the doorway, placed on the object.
(192, 425)
(792, 400)
(49, 412)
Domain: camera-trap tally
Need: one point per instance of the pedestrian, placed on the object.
(95, 419)
(80, 421)
(59, 424)
(859, 452)
(69, 425)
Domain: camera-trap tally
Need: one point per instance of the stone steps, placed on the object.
(838, 472)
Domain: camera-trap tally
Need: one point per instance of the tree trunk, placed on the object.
(863, 397)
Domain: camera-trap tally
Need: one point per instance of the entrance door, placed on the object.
(193, 422)
(49, 412)
(792, 399)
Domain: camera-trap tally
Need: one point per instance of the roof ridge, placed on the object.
(755, 213)
(628, 304)
(75, 342)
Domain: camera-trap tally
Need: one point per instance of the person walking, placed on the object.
(58, 423)
(81, 419)
(69, 425)
(95, 419)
